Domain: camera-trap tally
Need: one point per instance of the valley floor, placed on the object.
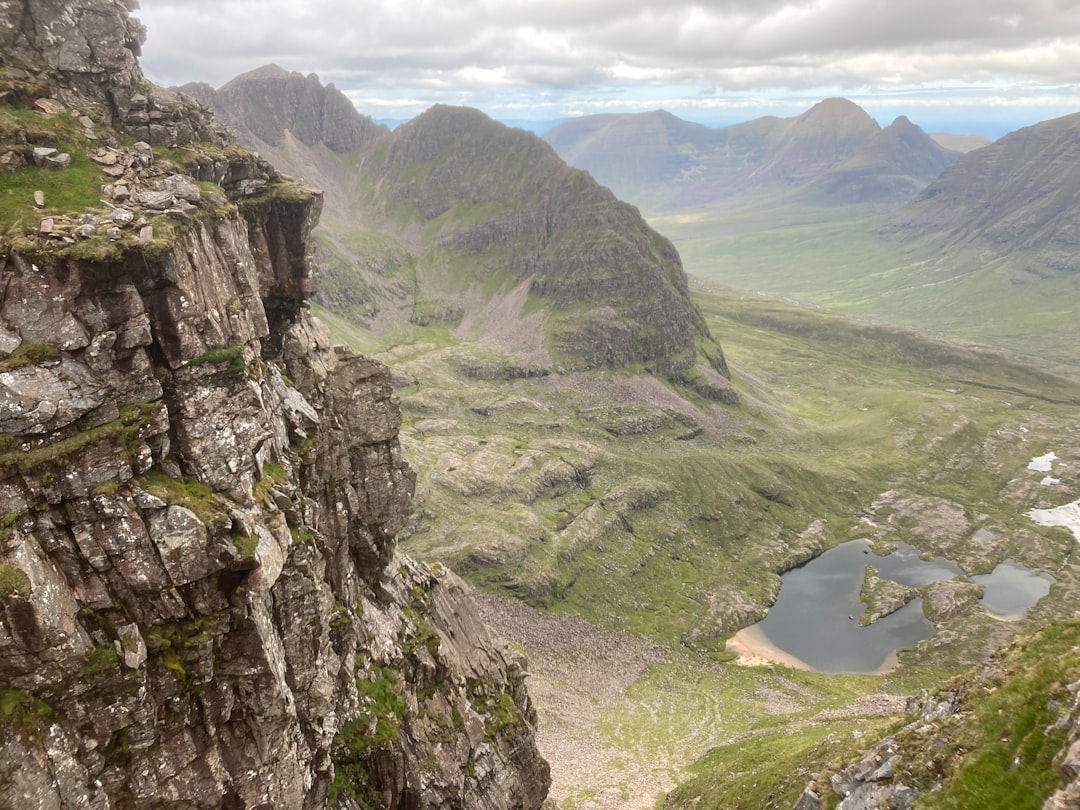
(622, 720)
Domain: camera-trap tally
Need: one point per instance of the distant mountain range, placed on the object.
(834, 153)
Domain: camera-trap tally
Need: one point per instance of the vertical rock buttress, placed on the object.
(201, 603)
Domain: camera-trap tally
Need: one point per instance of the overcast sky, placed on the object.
(960, 65)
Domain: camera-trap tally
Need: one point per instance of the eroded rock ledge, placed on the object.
(201, 604)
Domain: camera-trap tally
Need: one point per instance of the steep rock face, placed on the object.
(84, 54)
(267, 102)
(200, 600)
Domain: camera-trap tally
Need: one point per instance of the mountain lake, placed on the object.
(815, 621)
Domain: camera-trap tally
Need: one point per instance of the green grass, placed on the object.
(24, 713)
(51, 458)
(74, 189)
(767, 772)
(14, 582)
(232, 357)
(1003, 746)
(842, 259)
(102, 661)
(29, 354)
(379, 700)
(192, 495)
(833, 413)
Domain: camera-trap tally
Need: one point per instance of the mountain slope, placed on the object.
(833, 153)
(616, 291)
(266, 102)
(624, 151)
(455, 220)
(891, 164)
(1018, 194)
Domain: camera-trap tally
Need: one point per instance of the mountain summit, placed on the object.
(269, 101)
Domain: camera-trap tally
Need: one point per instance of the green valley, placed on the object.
(625, 495)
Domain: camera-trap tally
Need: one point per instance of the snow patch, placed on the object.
(1067, 516)
(1043, 463)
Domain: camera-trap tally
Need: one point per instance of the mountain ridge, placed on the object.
(478, 208)
(834, 153)
(1013, 194)
(264, 103)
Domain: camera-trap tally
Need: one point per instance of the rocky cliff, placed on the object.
(201, 604)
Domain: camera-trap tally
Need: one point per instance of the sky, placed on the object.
(984, 66)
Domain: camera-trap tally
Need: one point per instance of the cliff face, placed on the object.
(200, 600)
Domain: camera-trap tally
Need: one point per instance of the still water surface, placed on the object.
(1011, 589)
(816, 617)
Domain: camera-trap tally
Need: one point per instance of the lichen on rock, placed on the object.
(199, 498)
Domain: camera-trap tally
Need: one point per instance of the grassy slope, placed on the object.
(525, 489)
(838, 258)
(998, 750)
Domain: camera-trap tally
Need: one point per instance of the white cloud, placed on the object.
(574, 54)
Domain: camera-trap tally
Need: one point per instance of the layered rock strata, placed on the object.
(201, 604)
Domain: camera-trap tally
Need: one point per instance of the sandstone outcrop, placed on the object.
(201, 604)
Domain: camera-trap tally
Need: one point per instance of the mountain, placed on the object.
(1016, 196)
(834, 153)
(467, 221)
(202, 603)
(643, 149)
(265, 103)
(893, 163)
(616, 290)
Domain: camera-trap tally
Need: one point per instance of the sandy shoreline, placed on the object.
(755, 650)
